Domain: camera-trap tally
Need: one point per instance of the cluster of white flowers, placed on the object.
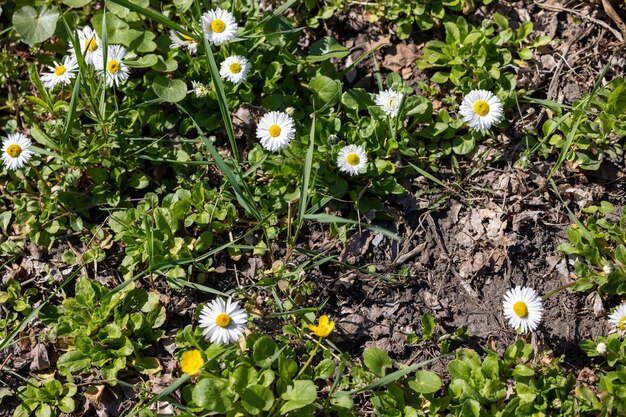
(114, 70)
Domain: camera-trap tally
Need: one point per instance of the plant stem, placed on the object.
(554, 291)
(308, 362)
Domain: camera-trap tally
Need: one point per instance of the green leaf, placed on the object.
(73, 362)
(326, 48)
(263, 351)
(147, 365)
(144, 61)
(76, 3)
(356, 99)
(325, 369)
(212, 394)
(377, 360)
(182, 5)
(426, 382)
(171, 91)
(35, 26)
(298, 395)
(524, 30)
(243, 376)
(257, 398)
(428, 326)
(67, 405)
(327, 91)
(501, 21)
(44, 410)
(462, 145)
(525, 393)
(525, 54)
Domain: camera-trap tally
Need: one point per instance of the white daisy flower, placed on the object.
(617, 319)
(352, 159)
(275, 130)
(235, 69)
(522, 307)
(89, 44)
(16, 151)
(481, 109)
(389, 101)
(223, 322)
(219, 26)
(601, 348)
(183, 41)
(60, 73)
(116, 71)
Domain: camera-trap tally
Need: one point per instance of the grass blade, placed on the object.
(242, 197)
(221, 94)
(306, 177)
(329, 218)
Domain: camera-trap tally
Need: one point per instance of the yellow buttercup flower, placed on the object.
(324, 328)
(191, 362)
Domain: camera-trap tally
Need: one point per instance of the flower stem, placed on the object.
(308, 362)
(554, 291)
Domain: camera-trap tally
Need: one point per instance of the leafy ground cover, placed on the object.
(338, 208)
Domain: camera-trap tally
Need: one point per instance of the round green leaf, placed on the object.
(35, 26)
(263, 350)
(377, 360)
(462, 145)
(300, 394)
(257, 398)
(169, 90)
(426, 382)
(76, 3)
(211, 393)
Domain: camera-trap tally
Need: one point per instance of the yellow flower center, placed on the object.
(622, 324)
(191, 362)
(223, 320)
(481, 108)
(113, 66)
(520, 309)
(14, 150)
(90, 44)
(274, 130)
(60, 70)
(218, 26)
(187, 38)
(353, 159)
(235, 68)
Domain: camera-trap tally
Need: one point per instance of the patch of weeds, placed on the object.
(599, 249)
(107, 331)
(46, 398)
(479, 56)
(155, 232)
(423, 14)
(608, 396)
(590, 131)
(15, 305)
